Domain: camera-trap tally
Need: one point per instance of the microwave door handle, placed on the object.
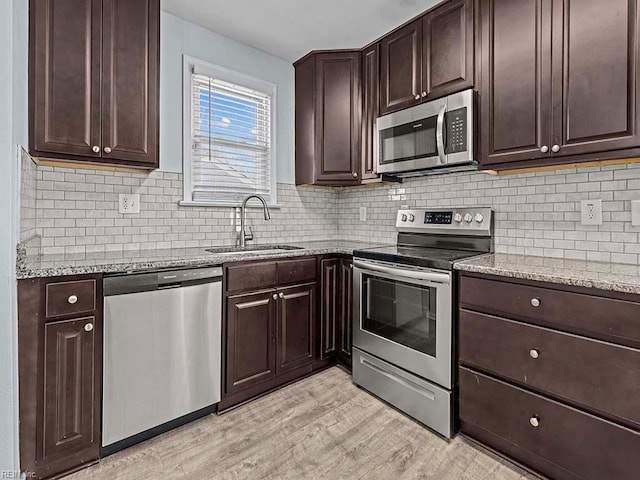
(440, 135)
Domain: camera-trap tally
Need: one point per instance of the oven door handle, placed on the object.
(440, 135)
(444, 278)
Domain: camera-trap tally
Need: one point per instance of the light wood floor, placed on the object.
(321, 428)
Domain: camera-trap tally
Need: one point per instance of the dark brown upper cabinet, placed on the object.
(328, 119)
(448, 48)
(94, 80)
(370, 109)
(401, 68)
(596, 75)
(428, 58)
(559, 84)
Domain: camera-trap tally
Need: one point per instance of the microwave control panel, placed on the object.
(456, 122)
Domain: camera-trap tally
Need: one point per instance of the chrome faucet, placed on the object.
(242, 235)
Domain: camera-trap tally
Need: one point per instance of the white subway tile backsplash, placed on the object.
(536, 213)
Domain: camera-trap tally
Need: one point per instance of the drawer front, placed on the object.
(597, 375)
(70, 298)
(566, 444)
(297, 271)
(251, 276)
(420, 399)
(609, 319)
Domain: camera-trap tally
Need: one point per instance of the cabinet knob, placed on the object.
(355, 175)
(96, 149)
(534, 353)
(535, 302)
(88, 327)
(275, 296)
(534, 421)
(417, 97)
(544, 149)
(281, 295)
(107, 150)
(424, 94)
(351, 266)
(555, 148)
(72, 299)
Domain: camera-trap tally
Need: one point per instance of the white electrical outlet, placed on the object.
(363, 214)
(129, 203)
(591, 212)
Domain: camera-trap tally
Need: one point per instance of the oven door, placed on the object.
(403, 316)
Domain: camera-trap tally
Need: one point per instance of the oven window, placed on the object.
(410, 141)
(401, 312)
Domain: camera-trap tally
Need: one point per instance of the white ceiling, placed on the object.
(290, 29)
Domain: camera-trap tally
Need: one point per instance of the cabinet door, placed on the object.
(70, 419)
(329, 309)
(296, 327)
(401, 68)
(251, 340)
(65, 76)
(338, 118)
(448, 49)
(130, 81)
(596, 75)
(515, 94)
(371, 108)
(346, 310)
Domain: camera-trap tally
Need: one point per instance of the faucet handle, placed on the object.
(248, 235)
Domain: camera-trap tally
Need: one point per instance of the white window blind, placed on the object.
(231, 140)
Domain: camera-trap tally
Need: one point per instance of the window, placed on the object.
(228, 136)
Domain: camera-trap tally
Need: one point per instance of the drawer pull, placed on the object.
(534, 353)
(88, 327)
(535, 302)
(534, 421)
(72, 299)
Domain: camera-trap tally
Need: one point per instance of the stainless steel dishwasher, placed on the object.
(162, 352)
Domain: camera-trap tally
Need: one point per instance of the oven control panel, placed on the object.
(455, 221)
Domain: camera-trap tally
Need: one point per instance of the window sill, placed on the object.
(189, 203)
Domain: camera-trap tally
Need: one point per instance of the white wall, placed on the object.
(178, 38)
(13, 114)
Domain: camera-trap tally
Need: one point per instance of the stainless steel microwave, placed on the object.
(433, 137)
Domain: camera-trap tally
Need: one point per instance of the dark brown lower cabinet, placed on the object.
(549, 376)
(60, 374)
(556, 440)
(270, 332)
(251, 340)
(336, 309)
(296, 327)
(345, 329)
(329, 308)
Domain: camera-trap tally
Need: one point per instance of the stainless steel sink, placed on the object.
(252, 250)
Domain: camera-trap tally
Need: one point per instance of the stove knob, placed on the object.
(458, 218)
(479, 218)
(468, 218)
(411, 218)
(404, 217)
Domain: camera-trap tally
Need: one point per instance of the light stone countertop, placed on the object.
(40, 266)
(601, 275)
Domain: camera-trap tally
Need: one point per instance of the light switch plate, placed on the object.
(591, 212)
(129, 203)
(635, 213)
(363, 214)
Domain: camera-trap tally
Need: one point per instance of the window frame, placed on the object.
(238, 78)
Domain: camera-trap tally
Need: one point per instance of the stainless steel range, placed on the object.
(403, 310)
